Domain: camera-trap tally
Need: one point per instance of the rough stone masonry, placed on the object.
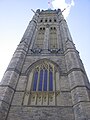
(45, 79)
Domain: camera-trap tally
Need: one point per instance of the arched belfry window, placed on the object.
(38, 44)
(43, 85)
(53, 38)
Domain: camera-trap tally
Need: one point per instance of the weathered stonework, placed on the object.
(41, 113)
(45, 79)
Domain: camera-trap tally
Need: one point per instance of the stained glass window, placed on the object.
(40, 80)
(50, 81)
(45, 80)
(35, 81)
(42, 84)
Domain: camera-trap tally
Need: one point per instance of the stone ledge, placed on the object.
(10, 79)
(75, 69)
(6, 94)
(8, 86)
(81, 102)
(13, 69)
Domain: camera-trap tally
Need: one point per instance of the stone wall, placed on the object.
(41, 113)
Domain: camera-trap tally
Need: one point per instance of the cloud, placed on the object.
(62, 5)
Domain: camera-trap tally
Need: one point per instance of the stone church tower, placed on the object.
(45, 79)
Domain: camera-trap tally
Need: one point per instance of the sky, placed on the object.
(16, 14)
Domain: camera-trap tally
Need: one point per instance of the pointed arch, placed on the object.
(53, 38)
(39, 62)
(43, 77)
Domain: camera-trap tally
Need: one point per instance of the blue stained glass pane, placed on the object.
(35, 81)
(40, 80)
(50, 81)
(45, 80)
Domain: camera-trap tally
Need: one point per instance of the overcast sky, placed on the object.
(16, 14)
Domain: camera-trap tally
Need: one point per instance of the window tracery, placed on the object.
(41, 77)
(43, 90)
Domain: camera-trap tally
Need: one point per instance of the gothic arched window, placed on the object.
(50, 20)
(39, 38)
(43, 79)
(53, 38)
(43, 86)
(41, 20)
(45, 20)
(55, 20)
